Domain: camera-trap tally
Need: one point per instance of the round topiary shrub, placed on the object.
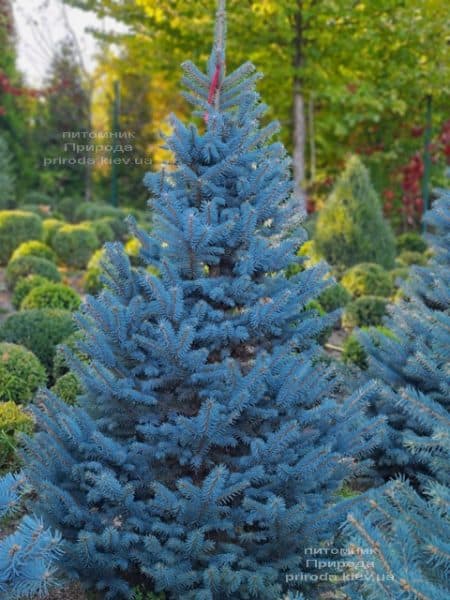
(30, 265)
(367, 310)
(74, 245)
(410, 257)
(52, 295)
(334, 297)
(367, 279)
(102, 230)
(17, 226)
(411, 242)
(24, 287)
(51, 226)
(21, 373)
(13, 421)
(60, 364)
(34, 248)
(68, 387)
(39, 330)
(350, 228)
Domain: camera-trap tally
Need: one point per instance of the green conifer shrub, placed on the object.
(67, 387)
(17, 226)
(411, 257)
(102, 230)
(30, 265)
(34, 248)
(74, 245)
(334, 297)
(24, 287)
(52, 295)
(51, 226)
(367, 310)
(21, 373)
(92, 283)
(39, 330)
(7, 179)
(411, 241)
(351, 228)
(13, 420)
(367, 279)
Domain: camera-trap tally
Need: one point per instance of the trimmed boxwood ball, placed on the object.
(17, 226)
(52, 295)
(74, 245)
(411, 242)
(334, 297)
(67, 387)
(24, 287)
(51, 226)
(30, 265)
(39, 330)
(367, 310)
(34, 248)
(102, 230)
(21, 373)
(367, 279)
(13, 420)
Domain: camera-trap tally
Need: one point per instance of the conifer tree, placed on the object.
(351, 228)
(412, 360)
(7, 188)
(211, 441)
(27, 556)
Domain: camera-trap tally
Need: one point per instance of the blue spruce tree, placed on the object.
(413, 359)
(408, 530)
(27, 556)
(212, 439)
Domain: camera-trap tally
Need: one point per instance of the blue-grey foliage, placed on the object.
(413, 360)
(212, 439)
(406, 543)
(27, 556)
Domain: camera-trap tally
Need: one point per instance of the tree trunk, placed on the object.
(299, 121)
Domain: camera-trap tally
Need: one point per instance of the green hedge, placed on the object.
(17, 226)
(21, 373)
(34, 248)
(39, 330)
(51, 295)
(74, 245)
(102, 230)
(30, 265)
(367, 279)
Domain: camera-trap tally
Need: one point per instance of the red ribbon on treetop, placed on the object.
(213, 88)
